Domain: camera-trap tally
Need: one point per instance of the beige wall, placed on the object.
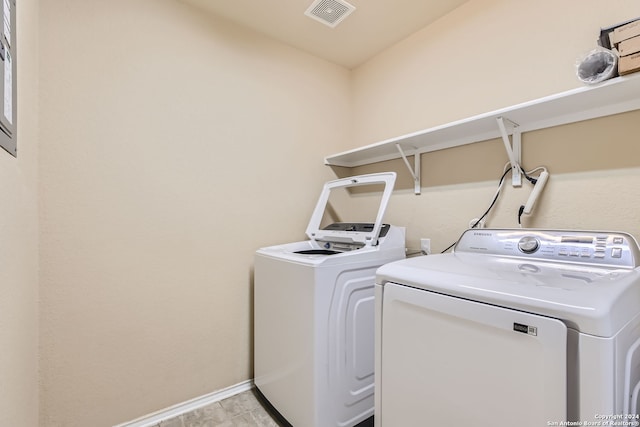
(19, 241)
(172, 148)
(486, 55)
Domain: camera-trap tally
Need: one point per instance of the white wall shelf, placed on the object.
(613, 96)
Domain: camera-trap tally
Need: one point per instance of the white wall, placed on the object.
(172, 147)
(19, 240)
(487, 55)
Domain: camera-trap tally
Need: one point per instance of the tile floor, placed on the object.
(242, 410)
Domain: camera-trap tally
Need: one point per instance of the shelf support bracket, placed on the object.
(513, 147)
(414, 171)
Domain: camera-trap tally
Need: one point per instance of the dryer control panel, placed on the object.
(602, 248)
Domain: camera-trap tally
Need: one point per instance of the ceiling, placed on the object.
(372, 27)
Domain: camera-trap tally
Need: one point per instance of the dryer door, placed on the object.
(447, 361)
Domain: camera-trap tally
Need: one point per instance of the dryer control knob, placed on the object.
(528, 244)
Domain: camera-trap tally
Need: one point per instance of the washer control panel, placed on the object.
(586, 247)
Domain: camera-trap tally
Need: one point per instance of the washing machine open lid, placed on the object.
(356, 234)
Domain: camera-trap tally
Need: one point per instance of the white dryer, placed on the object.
(314, 314)
(514, 328)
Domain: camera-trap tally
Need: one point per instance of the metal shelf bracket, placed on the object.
(414, 171)
(513, 147)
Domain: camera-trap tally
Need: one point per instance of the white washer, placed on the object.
(314, 314)
(514, 328)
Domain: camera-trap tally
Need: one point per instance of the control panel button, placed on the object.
(528, 244)
(616, 252)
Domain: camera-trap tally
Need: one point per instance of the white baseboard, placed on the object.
(188, 406)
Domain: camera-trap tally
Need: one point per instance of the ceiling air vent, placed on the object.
(329, 12)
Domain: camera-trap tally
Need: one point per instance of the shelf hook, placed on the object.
(415, 171)
(513, 147)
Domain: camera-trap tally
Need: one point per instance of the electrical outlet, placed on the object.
(474, 220)
(425, 246)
